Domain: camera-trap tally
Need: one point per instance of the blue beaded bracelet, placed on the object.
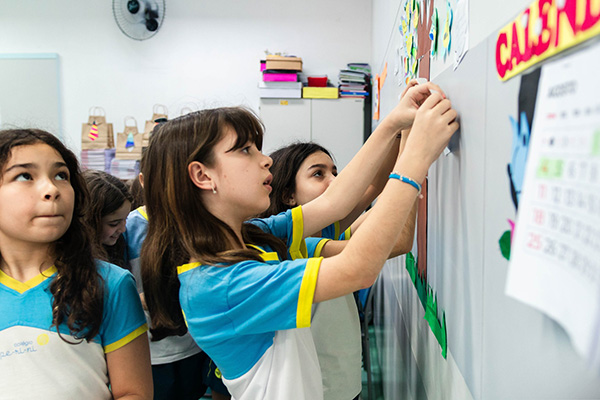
(405, 179)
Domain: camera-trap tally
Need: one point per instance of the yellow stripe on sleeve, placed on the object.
(319, 247)
(307, 292)
(336, 231)
(142, 210)
(127, 339)
(347, 233)
(297, 248)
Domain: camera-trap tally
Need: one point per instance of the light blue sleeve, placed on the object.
(123, 317)
(279, 225)
(267, 297)
(314, 245)
(287, 226)
(137, 227)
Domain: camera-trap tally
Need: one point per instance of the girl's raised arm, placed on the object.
(129, 371)
(358, 265)
(344, 193)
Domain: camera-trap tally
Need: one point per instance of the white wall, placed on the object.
(206, 54)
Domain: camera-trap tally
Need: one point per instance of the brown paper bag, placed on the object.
(129, 142)
(158, 111)
(96, 133)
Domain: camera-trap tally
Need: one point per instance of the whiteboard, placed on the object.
(30, 92)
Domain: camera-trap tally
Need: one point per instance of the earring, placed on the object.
(214, 190)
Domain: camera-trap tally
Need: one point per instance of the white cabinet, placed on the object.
(336, 124)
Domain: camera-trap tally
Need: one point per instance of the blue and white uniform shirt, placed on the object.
(35, 363)
(248, 317)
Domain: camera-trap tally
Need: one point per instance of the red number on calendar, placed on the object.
(538, 216)
(535, 241)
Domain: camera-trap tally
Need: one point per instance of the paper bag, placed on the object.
(158, 111)
(129, 142)
(97, 133)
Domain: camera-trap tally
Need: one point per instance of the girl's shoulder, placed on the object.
(111, 274)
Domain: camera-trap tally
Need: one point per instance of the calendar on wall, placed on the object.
(555, 260)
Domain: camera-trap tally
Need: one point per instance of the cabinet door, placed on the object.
(286, 121)
(337, 125)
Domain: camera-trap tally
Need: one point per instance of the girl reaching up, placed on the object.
(244, 303)
(301, 173)
(71, 327)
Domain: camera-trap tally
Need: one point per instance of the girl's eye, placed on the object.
(23, 177)
(114, 225)
(62, 176)
(318, 174)
(246, 150)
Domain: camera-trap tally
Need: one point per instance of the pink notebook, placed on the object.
(280, 77)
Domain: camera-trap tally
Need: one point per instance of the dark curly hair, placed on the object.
(77, 288)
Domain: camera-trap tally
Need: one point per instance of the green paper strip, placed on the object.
(428, 299)
(504, 243)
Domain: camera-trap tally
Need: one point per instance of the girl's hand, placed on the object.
(403, 115)
(411, 83)
(435, 122)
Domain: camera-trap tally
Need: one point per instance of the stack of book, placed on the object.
(280, 77)
(97, 159)
(355, 80)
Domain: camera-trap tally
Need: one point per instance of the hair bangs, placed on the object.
(247, 126)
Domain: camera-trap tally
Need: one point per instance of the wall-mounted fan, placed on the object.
(139, 19)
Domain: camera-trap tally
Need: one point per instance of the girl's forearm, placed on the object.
(348, 188)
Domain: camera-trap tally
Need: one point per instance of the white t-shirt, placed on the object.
(35, 363)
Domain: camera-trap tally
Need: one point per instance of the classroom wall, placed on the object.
(206, 54)
(498, 348)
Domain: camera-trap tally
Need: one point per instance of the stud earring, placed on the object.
(214, 190)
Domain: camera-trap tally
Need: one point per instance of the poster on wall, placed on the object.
(555, 257)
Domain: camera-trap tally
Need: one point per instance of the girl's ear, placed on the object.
(197, 173)
(289, 200)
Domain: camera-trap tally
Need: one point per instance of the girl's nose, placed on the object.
(268, 161)
(122, 227)
(50, 191)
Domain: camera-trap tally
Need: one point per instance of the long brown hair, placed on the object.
(77, 288)
(107, 195)
(180, 227)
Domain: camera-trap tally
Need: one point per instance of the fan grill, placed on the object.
(139, 19)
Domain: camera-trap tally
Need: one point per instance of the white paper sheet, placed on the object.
(555, 257)
(460, 31)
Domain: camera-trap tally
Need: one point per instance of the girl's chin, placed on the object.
(110, 242)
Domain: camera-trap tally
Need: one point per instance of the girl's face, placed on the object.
(36, 196)
(241, 178)
(314, 176)
(113, 224)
